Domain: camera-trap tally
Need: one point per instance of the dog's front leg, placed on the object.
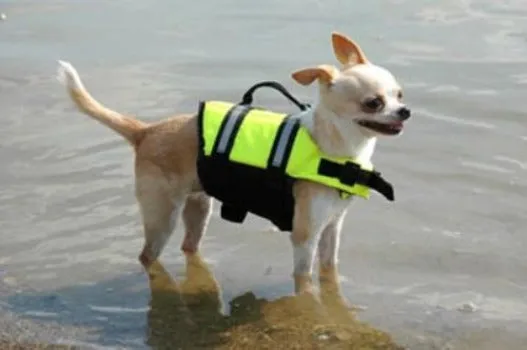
(304, 249)
(313, 208)
(328, 251)
(330, 292)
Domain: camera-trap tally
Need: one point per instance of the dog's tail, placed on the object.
(130, 128)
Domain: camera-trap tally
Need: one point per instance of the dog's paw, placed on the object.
(68, 75)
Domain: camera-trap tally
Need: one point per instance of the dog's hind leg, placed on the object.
(160, 209)
(196, 216)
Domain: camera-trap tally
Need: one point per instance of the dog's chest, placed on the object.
(327, 206)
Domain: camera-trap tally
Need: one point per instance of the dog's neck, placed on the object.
(335, 136)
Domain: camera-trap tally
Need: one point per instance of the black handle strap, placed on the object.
(247, 98)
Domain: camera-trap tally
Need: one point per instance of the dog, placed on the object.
(357, 102)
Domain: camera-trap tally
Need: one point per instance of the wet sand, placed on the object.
(442, 267)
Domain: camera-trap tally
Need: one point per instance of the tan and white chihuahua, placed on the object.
(357, 102)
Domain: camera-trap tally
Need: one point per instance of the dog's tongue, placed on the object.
(397, 125)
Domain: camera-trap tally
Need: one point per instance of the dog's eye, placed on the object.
(399, 94)
(374, 104)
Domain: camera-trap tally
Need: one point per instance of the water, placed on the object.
(455, 236)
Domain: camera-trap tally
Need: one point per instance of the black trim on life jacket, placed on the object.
(351, 174)
(201, 138)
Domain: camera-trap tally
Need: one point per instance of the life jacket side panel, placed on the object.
(253, 145)
(240, 187)
(211, 114)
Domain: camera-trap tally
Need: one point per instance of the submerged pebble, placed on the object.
(359, 308)
(271, 229)
(10, 281)
(468, 307)
(323, 337)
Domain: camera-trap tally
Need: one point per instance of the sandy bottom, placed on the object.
(188, 315)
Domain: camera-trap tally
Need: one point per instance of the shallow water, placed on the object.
(455, 235)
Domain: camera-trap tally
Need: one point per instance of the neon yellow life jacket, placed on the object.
(254, 142)
(247, 152)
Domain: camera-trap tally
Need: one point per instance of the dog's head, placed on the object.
(359, 92)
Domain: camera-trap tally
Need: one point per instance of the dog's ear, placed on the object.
(324, 73)
(346, 50)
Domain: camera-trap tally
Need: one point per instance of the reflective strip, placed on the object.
(233, 116)
(282, 142)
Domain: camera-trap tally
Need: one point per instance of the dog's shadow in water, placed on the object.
(188, 314)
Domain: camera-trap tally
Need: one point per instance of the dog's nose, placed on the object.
(404, 113)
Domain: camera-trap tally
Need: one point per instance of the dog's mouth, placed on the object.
(393, 128)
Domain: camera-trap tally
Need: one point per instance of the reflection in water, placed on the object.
(188, 315)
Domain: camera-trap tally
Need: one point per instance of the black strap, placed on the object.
(351, 174)
(247, 98)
